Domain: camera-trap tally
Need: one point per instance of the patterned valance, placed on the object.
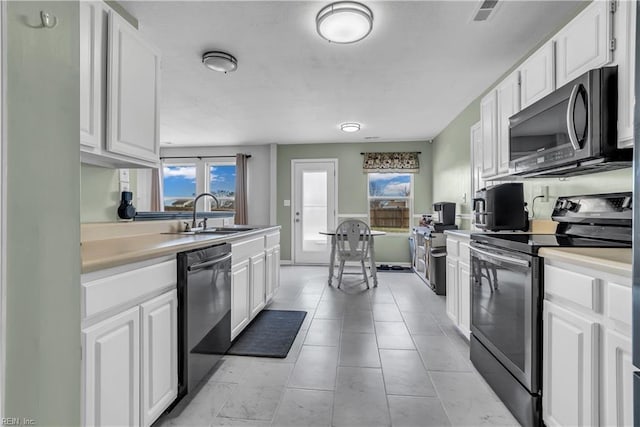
(391, 162)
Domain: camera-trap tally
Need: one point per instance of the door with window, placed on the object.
(313, 209)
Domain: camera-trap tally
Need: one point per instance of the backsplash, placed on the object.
(100, 193)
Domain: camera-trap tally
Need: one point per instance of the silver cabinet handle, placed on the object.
(209, 263)
(570, 119)
(506, 259)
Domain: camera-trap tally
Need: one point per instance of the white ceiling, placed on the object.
(422, 64)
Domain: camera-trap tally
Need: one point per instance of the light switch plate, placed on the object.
(287, 202)
(124, 175)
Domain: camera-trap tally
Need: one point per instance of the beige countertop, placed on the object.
(107, 253)
(612, 260)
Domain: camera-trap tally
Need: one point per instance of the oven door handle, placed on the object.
(209, 263)
(509, 260)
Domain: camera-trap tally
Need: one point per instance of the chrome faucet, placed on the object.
(194, 223)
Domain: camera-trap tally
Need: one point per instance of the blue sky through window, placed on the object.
(222, 178)
(179, 181)
(389, 184)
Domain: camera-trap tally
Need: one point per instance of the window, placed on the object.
(179, 185)
(390, 201)
(222, 184)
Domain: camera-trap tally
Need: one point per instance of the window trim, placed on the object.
(409, 198)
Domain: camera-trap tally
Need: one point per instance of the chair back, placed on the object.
(352, 240)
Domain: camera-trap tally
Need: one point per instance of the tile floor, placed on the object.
(387, 356)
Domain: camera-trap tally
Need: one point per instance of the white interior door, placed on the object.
(313, 209)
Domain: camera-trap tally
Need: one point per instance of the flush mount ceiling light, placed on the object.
(350, 127)
(220, 61)
(344, 22)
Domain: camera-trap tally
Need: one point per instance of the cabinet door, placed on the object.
(240, 290)
(618, 384)
(134, 79)
(488, 120)
(537, 75)
(570, 368)
(452, 289)
(624, 56)
(583, 44)
(159, 355)
(269, 267)
(93, 42)
(112, 371)
(508, 97)
(464, 299)
(276, 268)
(476, 158)
(258, 291)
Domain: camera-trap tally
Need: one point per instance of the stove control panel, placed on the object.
(594, 208)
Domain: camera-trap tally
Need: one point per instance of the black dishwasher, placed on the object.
(204, 313)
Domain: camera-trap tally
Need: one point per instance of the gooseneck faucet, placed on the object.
(194, 223)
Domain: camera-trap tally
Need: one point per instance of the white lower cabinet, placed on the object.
(458, 303)
(272, 274)
(464, 298)
(258, 282)
(570, 368)
(618, 386)
(112, 371)
(240, 289)
(587, 369)
(159, 367)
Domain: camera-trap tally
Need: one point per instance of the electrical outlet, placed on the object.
(124, 186)
(544, 192)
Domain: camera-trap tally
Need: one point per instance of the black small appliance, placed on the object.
(446, 213)
(126, 210)
(500, 207)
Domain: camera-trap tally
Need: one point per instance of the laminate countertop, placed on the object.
(107, 253)
(612, 260)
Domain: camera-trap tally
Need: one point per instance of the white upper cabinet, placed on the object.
(119, 89)
(624, 56)
(476, 158)
(537, 75)
(133, 90)
(489, 133)
(584, 43)
(508, 102)
(93, 18)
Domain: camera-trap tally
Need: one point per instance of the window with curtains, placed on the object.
(222, 184)
(390, 201)
(179, 185)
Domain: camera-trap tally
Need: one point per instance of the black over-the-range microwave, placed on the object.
(571, 131)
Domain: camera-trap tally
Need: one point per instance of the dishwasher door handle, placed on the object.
(209, 263)
(503, 258)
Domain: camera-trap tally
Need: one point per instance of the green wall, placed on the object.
(352, 188)
(100, 193)
(43, 219)
(451, 162)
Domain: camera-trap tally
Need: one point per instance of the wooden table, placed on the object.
(372, 254)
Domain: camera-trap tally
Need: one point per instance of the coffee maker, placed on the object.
(446, 216)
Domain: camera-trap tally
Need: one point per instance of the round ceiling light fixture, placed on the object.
(344, 22)
(220, 61)
(350, 127)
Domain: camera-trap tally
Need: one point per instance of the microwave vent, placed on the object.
(484, 11)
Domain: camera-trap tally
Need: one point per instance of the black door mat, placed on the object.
(270, 334)
(394, 269)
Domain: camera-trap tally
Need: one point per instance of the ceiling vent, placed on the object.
(485, 10)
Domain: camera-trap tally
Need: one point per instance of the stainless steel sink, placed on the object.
(215, 230)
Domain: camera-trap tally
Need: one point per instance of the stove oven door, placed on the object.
(506, 311)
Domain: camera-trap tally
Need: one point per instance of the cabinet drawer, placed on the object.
(128, 287)
(575, 287)
(243, 250)
(272, 240)
(452, 247)
(619, 303)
